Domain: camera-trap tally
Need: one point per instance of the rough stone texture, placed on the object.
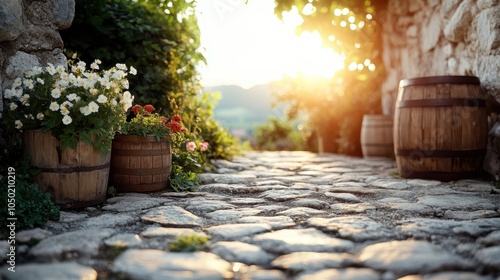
(59, 271)
(455, 38)
(64, 12)
(11, 19)
(400, 229)
(20, 62)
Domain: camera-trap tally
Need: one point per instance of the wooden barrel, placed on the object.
(75, 178)
(376, 136)
(140, 164)
(440, 128)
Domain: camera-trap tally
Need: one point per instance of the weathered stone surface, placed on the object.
(4, 249)
(489, 256)
(390, 184)
(157, 264)
(456, 202)
(228, 188)
(51, 271)
(247, 201)
(346, 208)
(429, 35)
(234, 231)
(297, 240)
(205, 206)
(208, 178)
(273, 274)
(284, 195)
(84, 242)
(231, 216)
(491, 239)
(124, 240)
(20, 62)
(130, 202)
(69, 217)
(355, 228)
(108, 220)
(11, 20)
(304, 212)
(448, 275)
(470, 215)
(457, 26)
(169, 232)
(343, 197)
(347, 273)
(411, 256)
(307, 261)
(276, 222)
(241, 252)
(32, 235)
(488, 25)
(172, 216)
(64, 12)
(311, 203)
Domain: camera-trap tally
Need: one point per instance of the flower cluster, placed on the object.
(191, 146)
(147, 123)
(71, 101)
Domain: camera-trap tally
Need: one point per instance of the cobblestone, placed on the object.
(278, 215)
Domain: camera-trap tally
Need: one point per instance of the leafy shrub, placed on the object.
(188, 243)
(33, 207)
(278, 135)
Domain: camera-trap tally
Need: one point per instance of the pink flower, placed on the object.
(191, 146)
(204, 146)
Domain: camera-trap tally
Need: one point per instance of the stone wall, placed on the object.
(29, 35)
(444, 37)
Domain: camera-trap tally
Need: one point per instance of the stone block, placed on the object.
(38, 13)
(11, 19)
(484, 4)
(19, 63)
(489, 72)
(414, 6)
(398, 7)
(412, 31)
(459, 22)
(37, 38)
(451, 66)
(430, 33)
(64, 12)
(492, 158)
(448, 7)
(488, 29)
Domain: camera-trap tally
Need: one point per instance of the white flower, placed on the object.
(81, 64)
(118, 75)
(64, 110)
(40, 81)
(67, 120)
(29, 83)
(133, 71)
(54, 106)
(30, 116)
(67, 104)
(114, 102)
(125, 84)
(51, 69)
(8, 93)
(94, 66)
(17, 82)
(64, 76)
(74, 56)
(102, 99)
(121, 66)
(13, 106)
(56, 93)
(61, 69)
(40, 116)
(94, 91)
(93, 107)
(127, 95)
(24, 99)
(85, 110)
(18, 93)
(97, 61)
(18, 124)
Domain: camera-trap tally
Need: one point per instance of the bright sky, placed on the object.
(246, 45)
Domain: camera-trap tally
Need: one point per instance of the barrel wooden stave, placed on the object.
(140, 164)
(67, 174)
(428, 130)
(377, 136)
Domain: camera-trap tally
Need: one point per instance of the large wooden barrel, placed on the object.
(440, 128)
(75, 178)
(376, 136)
(140, 164)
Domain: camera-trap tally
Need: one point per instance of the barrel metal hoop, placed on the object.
(141, 171)
(159, 152)
(417, 153)
(73, 169)
(449, 102)
(472, 80)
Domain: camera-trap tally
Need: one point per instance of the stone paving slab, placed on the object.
(278, 215)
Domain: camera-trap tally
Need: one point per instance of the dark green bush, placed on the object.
(278, 135)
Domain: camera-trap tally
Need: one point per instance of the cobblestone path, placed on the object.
(290, 215)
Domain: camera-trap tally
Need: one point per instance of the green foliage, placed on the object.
(188, 243)
(278, 135)
(33, 207)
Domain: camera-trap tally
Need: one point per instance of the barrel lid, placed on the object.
(440, 80)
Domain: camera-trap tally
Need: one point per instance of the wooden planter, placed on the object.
(140, 164)
(74, 178)
(376, 136)
(440, 128)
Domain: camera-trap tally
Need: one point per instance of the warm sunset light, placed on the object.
(245, 44)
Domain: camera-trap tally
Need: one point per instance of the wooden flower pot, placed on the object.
(140, 164)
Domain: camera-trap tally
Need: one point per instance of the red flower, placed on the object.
(164, 120)
(174, 126)
(149, 108)
(136, 109)
(176, 118)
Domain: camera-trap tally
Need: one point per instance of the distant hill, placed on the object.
(240, 110)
